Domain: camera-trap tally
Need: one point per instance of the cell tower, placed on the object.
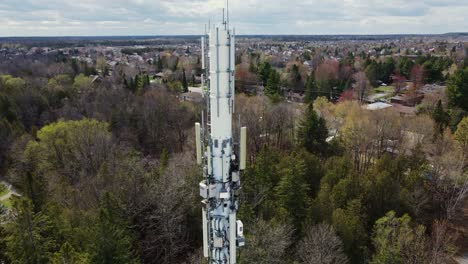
(216, 148)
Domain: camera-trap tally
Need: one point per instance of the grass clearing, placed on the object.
(384, 89)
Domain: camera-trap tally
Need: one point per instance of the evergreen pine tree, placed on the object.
(176, 64)
(68, 255)
(292, 192)
(296, 77)
(273, 87)
(131, 85)
(113, 243)
(458, 88)
(265, 72)
(31, 237)
(441, 119)
(160, 66)
(139, 83)
(148, 82)
(313, 132)
(184, 82)
(252, 67)
(125, 83)
(310, 89)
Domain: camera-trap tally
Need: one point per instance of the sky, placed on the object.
(188, 17)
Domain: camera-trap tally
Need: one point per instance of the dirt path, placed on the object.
(11, 191)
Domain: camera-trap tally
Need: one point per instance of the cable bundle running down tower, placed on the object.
(222, 232)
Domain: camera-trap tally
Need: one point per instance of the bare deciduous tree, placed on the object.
(164, 218)
(322, 246)
(267, 243)
(399, 82)
(442, 244)
(361, 86)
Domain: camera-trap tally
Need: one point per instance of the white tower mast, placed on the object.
(222, 232)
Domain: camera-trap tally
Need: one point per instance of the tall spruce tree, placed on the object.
(292, 192)
(310, 89)
(184, 82)
(68, 255)
(273, 87)
(458, 89)
(313, 132)
(31, 237)
(441, 119)
(113, 243)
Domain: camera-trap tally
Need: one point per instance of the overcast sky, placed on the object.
(179, 17)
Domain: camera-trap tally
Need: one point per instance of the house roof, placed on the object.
(378, 106)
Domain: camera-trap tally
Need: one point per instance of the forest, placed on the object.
(106, 172)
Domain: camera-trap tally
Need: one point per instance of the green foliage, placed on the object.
(432, 73)
(295, 77)
(3, 246)
(434, 67)
(292, 192)
(461, 135)
(313, 170)
(68, 255)
(350, 225)
(113, 243)
(388, 68)
(8, 108)
(8, 131)
(258, 183)
(176, 64)
(310, 87)
(265, 72)
(382, 186)
(11, 84)
(313, 132)
(378, 71)
(137, 84)
(3, 189)
(66, 171)
(82, 83)
(68, 147)
(184, 82)
(273, 85)
(159, 65)
(176, 86)
(404, 66)
(31, 238)
(441, 119)
(59, 88)
(373, 73)
(458, 89)
(396, 242)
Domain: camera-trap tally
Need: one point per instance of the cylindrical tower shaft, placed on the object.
(222, 231)
(221, 142)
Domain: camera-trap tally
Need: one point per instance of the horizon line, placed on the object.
(241, 35)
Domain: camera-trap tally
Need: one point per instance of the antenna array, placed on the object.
(216, 151)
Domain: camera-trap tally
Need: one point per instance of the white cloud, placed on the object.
(153, 17)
